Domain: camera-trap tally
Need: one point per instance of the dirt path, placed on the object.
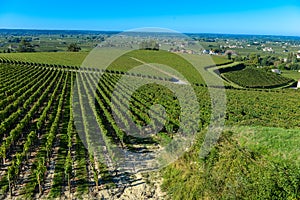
(162, 71)
(137, 188)
(212, 71)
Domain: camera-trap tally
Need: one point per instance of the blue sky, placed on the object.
(278, 17)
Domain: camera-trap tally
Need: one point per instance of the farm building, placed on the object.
(205, 51)
(277, 71)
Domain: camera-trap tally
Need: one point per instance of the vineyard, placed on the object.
(42, 154)
(255, 78)
(58, 58)
(37, 131)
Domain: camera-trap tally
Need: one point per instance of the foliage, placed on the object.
(231, 171)
(149, 45)
(74, 47)
(25, 46)
(61, 58)
(220, 60)
(125, 63)
(291, 74)
(251, 77)
(37, 119)
(270, 108)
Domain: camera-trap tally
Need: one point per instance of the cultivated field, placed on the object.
(43, 155)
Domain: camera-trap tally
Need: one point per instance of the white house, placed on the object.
(268, 49)
(298, 54)
(205, 51)
(277, 71)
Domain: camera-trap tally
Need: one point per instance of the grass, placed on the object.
(275, 142)
(238, 168)
(174, 64)
(246, 160)
(170, 60)
(220, 60)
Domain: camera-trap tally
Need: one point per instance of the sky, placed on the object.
(267, 17)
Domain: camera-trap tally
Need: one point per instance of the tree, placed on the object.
(238, 58)
(25, 46)
(254, 59)
(73, 47)
(294, 59)
(149, 45)
(281, 66)
(229, 54)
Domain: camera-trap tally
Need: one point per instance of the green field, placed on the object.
(76, 58)
(291, 74)
(277, 143)
(174, 61)
(220, 60)
(41, 151)
(256, 78)
(61, 58)
(259, 142)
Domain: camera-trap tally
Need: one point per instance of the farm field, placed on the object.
(291, 74)
(149, 100)
(250, 77)
(39, 139)
(61, 58)
(42, 154)
(68, 58)
(179, 64)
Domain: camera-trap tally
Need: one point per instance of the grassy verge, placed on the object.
(246, 163)
(277, 143)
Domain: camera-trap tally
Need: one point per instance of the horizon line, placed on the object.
(119, 31)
